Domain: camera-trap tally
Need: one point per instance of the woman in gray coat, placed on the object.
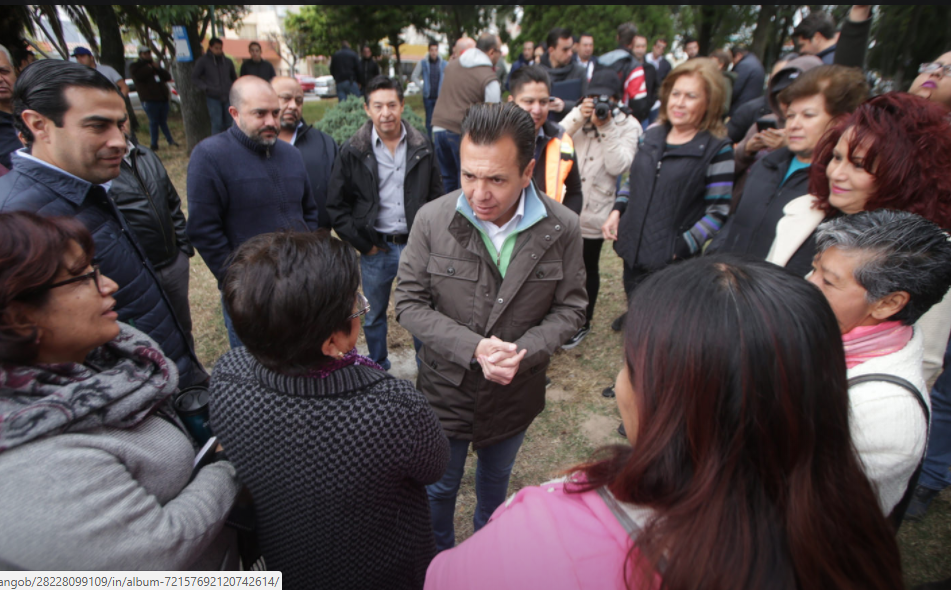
(95, 468)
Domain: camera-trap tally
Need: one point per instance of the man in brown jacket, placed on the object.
(492, 283)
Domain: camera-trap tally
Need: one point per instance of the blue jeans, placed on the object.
(233, 339)
(447, 154)
(377, 274)
(157, 112)
(220, 117)
(346, 89)
(429, 104)
(934, 472)
(491, 483)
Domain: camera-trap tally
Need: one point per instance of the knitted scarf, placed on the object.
(120, 383)
(867, 342)
(351, 358)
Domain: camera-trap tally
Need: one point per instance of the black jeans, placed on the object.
(591, 253)
(632, 277)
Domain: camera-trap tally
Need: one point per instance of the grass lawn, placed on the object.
(576, 419)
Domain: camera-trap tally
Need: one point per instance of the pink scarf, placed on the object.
(868, 342)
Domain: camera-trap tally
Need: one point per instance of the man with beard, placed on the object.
(71, 117)
(245, 182)
(562, 70)
(318, 149)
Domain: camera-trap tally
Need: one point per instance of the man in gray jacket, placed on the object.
(492, 282)
(214, 73)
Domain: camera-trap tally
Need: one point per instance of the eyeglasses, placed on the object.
(362, 304)
(288, 97)
(94, 275)
(931, 68)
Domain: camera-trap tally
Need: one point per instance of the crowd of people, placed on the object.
(785, 261)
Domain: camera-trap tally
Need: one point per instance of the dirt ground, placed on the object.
(577, 419)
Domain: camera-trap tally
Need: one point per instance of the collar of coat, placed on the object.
(534, 210)
(361, 140)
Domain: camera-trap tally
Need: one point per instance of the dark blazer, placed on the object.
(353, 199)
(140, 300)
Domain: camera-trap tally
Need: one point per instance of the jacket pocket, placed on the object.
(454, 284)
(439, 368)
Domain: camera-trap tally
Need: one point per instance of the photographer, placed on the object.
(605, 139)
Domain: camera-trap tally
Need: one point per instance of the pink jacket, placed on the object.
(541, 538)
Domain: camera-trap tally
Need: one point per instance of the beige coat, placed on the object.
(603, 154)
(450, 295)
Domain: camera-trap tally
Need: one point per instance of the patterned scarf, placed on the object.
(120, 383)
(351, 358)
(868, 342)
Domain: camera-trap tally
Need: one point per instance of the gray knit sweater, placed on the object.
(337, 468)
(115, 499)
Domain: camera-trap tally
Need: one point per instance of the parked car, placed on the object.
(176, 102)
(326, 87)
(307, 83)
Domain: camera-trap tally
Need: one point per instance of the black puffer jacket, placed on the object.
(151, 206)
(752, 227)
(667, 196)
(353, 200)
(140, 301)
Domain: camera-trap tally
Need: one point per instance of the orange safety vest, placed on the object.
(558, 161)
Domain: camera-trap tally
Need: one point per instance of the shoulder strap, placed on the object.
(894, 380)
(633, 529)
(898, 512)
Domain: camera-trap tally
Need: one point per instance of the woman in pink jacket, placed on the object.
(740, 473)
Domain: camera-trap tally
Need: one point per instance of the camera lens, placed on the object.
(602, 110)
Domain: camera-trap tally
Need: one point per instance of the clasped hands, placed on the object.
(499, 359)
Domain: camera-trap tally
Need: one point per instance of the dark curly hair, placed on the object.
(908, 142)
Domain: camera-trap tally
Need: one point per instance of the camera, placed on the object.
(602, 106)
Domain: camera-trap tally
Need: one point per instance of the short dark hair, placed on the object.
(585, 34)
(558, 33)
(526, 75)
(843, 88)
(487, 43)
(743, 49)
(215, 41)
(661, 40)
(626, 33)
(252, 44)
(902, 252)
(432, 43)
(817, 22)
(721, 56)
(287, 293)
(42, 88)
(382, 83)
(688, 40)
(487, 123)
(32, 251)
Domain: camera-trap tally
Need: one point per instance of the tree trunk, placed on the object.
(112, 51)
(705, 29)
(764, 25)
(194, 110)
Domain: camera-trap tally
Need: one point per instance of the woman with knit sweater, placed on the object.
(880, 271)
(96, 470)
(335, 451)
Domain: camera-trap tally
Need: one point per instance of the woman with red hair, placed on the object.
(891, 153)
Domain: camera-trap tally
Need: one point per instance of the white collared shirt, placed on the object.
(497, 233)
(24, 154)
